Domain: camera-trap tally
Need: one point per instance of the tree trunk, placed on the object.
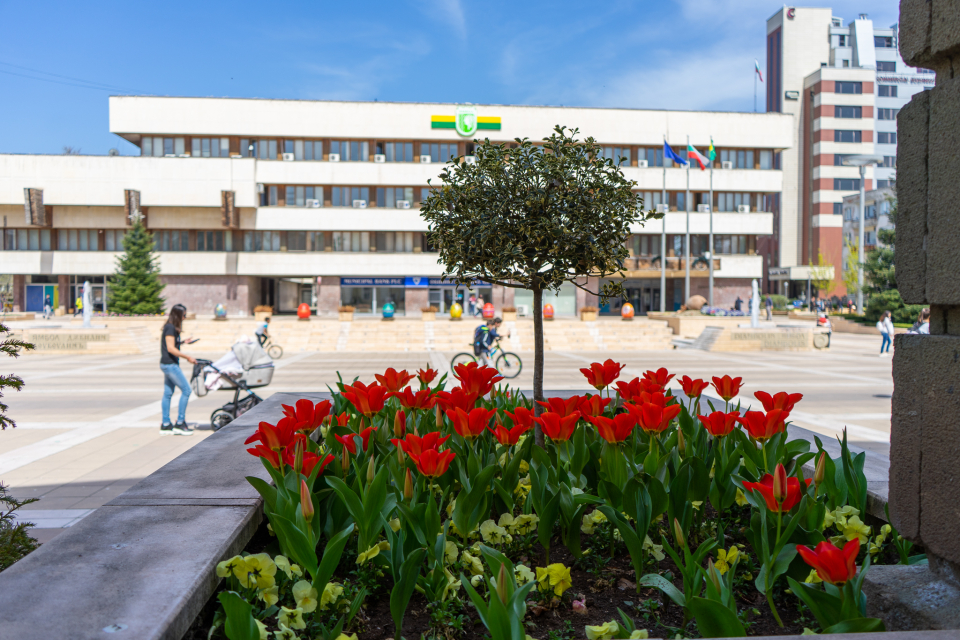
(537, 358)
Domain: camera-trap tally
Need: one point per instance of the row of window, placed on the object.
(887, 90)
(357, 241)
(648, 246)
(722, 201)
(886, 137)
(63, 239)
(887, 114)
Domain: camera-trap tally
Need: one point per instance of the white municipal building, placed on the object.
(279, 202)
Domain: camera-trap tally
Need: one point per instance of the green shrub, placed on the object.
(779, 302)
(14, 540)
(891, 301)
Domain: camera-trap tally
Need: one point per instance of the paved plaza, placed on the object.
(88, 425)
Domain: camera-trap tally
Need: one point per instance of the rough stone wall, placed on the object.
(201, 294)
(328, 296)
(415, 299)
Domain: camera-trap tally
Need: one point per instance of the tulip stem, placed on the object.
(773, 608)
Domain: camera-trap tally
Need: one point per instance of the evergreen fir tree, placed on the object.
(135, 286)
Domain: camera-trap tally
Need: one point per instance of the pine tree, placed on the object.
(135, 286)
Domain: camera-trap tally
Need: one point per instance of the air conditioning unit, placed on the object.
(359, 204)
(743, 208)
(379, 157)
(184, 155)
(470, 159)
(726, 164)
(662, 208)
(424, 159)
(288, 157)
(703, 208)
(313, 204)
(333, 157)
(403, 204)
(523, 310)
(643, 164)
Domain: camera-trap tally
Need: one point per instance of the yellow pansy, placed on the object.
(555, 576)
(450, 552)
(741, 499)
(471, 563)
(258, 571)
(506, 520)
(725, 559)
(227, 567)
(284, 565)
(305, 596)
(591, 520)
(604, 631)
(807, 631)
(452, 586)
(270, 596)
(655, 549)
(853, 527)
(372, 552)
(451, 507)
(492, 533)
(331, 593)
(697, 504)
(285, 633)
(270, 530)
(524, 467)
(524, 524)
(292, 618)
(344, 636)
(395, 524)
(523, 487)
(639, 634)
(839, 515)
(475, 581)
(813, 578)
(524, 575)
(262, 628)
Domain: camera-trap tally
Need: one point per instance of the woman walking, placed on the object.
(170, 355)
(885, 325)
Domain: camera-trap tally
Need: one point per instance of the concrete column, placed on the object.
(63, 292)
(328, 295)
(19, 292)
(415, 299)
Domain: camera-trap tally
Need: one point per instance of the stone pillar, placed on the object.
(925, 431)
(19, 292)
(414, 300)
(63, 292)
(328, 296)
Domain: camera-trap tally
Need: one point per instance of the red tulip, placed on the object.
(432, 463)
(457, 398)
(365, 436)
(426, 376)
(470, 425)
(509, 436)
(616, 429)
(591, 405)
(762, 426)
(343, 419)
(718, 423)
(368, 400)
(783, 400)
(653, 417)
(559, 428)
(833, 565)
(559, 406)
(780, 483)
(409, 400)
(693, 388)
(476, 380)
(271, 456)
(394, 380)
(521, 417)
(601, 376)
(311, 460)
(307, 415)
(306, 501)
(415, 445)
(727, 387)
(792, 495)
(348, 442)
(660, 377)
(274, 437)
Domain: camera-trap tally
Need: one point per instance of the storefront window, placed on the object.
(360, 298)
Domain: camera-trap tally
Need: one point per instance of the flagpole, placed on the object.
(686, 203)
(663, 237)
(710, 291)
(754, 92)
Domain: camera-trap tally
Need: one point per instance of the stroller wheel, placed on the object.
(220, 419)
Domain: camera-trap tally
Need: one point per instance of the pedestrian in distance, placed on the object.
(173, 377)
(78, 306)
(769, 306)
(738, 305)
(47, 308)
(922, 325)
(885, 326)
(262, 332)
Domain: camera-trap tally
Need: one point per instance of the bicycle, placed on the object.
(275, 351)
(506, 363)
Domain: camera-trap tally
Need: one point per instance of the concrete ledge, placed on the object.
(912, 597)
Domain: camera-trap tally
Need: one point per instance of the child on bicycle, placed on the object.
(263, 332)
(483, 338)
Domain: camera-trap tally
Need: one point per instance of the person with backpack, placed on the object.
(483, 338)
(885, 327)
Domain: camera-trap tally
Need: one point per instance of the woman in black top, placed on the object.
(172, 374)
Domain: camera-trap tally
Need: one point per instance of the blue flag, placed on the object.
(669, 153)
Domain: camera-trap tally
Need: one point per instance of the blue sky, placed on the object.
(678, 54)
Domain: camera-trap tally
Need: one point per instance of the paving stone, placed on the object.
(910, 598)
(912, 182)
(943, 233)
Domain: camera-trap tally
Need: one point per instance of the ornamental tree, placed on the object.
(135, 286)
(534, 217)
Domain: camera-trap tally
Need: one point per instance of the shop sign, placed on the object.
(371, 282)
(465, 122)
(441, 282)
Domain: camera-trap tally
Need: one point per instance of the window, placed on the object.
(439, 152)
(654, 156)
(32, 239)
(350, 150)
(344, 196)
(766, 159)
(843, 40)
(887, 65)
(159, 147)
(887, 137)
(846, 184)
(318, 240)
(166, 240)
(398, 241)
(732, 201)
(248, 148)
(847, 112)
(298, 196)
(210, 147)
(304, 149)
(887, 114)
(741, 158)
(887, 90)
(112, 239)
(267, 149)
(211, 241)
(886, 183)
(846, 63)
(390, 196)
(838, 159)
(82, 240)
(841, 135)
(651, 199)
(848, 87)
(261, 240)
(883, 42)
(837, 208)
(889, 161)
(616, 154)
(296, 240)
(396, 151)
(425, 193)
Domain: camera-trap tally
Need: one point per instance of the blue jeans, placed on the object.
(173, 377)
(885, 345)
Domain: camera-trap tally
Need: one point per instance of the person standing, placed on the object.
(769, 305)
(738, 305)
(47, 308)
(885, 326)
(173, 377)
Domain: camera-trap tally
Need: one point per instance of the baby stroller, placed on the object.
(247, 366)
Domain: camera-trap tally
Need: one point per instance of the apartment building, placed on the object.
(845, 85)
(281, 202)
(878, 205)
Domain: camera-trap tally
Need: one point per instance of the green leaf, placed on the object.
(331, 558)
(403, 590)
(239, 624)
(657, 581)
(267, 491)
(548, 520)
(715, 620)
(300, 547)
(857, 625)
(824, 607)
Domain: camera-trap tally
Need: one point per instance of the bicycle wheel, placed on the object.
(509, 364)
(462, 358)
(275, 351)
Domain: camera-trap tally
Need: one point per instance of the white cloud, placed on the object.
(449, 12)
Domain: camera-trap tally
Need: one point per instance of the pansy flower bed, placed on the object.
(401, 509)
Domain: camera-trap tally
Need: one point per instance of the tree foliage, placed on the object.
(880, 277)
(12, 347)
(135, 287)
(821, 276)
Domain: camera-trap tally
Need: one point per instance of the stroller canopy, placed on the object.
(251, 354)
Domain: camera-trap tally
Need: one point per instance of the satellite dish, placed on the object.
(113, 152)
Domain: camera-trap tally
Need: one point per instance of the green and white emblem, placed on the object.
(466, 122)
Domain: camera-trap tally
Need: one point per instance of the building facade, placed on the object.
(845, 85)
(279, 202)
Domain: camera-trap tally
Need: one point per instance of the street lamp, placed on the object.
(862, 161)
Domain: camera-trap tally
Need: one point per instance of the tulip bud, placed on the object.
(821, 469)
(678, 533)
(780, 483)
(371, 472)
(713, 576)
(298, 457)
(400, 455)
(439, 413)
(681, 445)
(345, 461)
(502, 584)
(306, 501)
(408, 486)
(399, 424)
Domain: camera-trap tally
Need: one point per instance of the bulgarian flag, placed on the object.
(756, 67)
(701, 159)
